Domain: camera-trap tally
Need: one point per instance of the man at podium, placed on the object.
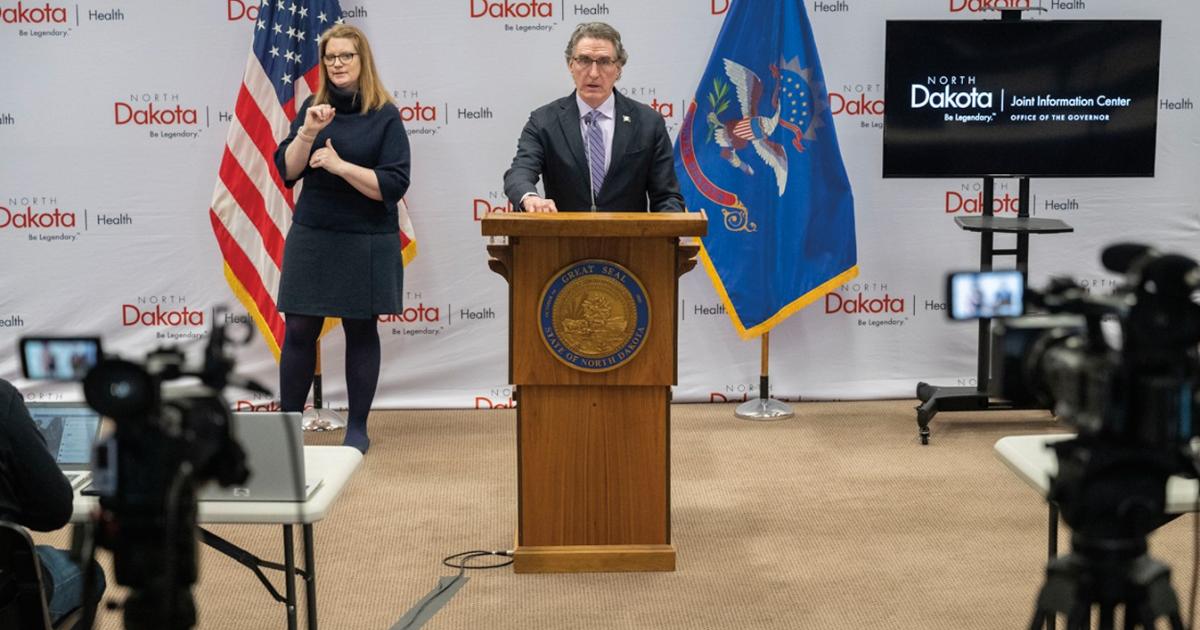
(595, 150)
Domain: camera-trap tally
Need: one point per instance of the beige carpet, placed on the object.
(838, 518)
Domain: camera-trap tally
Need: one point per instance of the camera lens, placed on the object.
(119, 389)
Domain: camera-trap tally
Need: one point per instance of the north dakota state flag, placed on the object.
(758, 153)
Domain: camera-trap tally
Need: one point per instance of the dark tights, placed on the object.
(298, 360)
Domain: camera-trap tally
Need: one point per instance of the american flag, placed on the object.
(251, 209)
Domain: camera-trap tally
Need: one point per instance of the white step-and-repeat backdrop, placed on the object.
(114, 117)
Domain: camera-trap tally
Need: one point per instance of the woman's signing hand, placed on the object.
(317, 117)
(327, 158)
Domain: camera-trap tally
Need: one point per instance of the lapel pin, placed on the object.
(625, 119)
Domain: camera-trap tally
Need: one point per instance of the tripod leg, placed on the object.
(1108, 617)
(1080, 617)
(1158, 598)
(1052, 552)
(1039, 618)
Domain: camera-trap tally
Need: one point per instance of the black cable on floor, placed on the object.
(478, 553)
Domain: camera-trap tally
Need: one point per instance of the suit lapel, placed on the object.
(568, 122)
(624, 129)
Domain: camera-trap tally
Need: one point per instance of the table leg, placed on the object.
(310, 578)
(289, 575)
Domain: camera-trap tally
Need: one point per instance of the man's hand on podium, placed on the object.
(534, 203)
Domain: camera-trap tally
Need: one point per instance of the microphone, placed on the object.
(1170, 274)
(1173, 275)
(1122, 256)
(588, 120)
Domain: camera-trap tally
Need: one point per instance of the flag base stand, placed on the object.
(315, 419)
(318, 417)
(763, 409)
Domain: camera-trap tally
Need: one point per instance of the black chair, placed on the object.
(22, 601)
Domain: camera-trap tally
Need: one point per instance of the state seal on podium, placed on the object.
(594, 315)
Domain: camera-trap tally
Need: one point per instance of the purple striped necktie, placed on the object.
(595, 148)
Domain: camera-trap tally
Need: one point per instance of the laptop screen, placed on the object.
(69, 431)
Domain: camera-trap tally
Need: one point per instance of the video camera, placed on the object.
(1140, 390)
(1124, 370)
(167, 441)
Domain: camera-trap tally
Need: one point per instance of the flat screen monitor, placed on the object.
(1057, 98)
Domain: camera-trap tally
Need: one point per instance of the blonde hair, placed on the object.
(371, 92)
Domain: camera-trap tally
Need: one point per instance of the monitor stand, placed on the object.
(935, 398)
(1014, 14)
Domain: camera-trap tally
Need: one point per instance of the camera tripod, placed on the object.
(1112, 496)
(1109, 576)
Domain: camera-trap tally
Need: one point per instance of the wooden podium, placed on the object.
(593, 301)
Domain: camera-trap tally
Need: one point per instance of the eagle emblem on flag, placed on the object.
(792, 103)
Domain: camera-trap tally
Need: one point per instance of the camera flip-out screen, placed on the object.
(976, 294)
(58, 358)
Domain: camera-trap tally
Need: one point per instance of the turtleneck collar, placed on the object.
(343, 100)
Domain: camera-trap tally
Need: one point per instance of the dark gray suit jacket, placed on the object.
(641, 173)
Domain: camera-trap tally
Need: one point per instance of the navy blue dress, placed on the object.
(342, 257)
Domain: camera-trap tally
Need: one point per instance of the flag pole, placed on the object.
(764, 407)
(319, 418)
